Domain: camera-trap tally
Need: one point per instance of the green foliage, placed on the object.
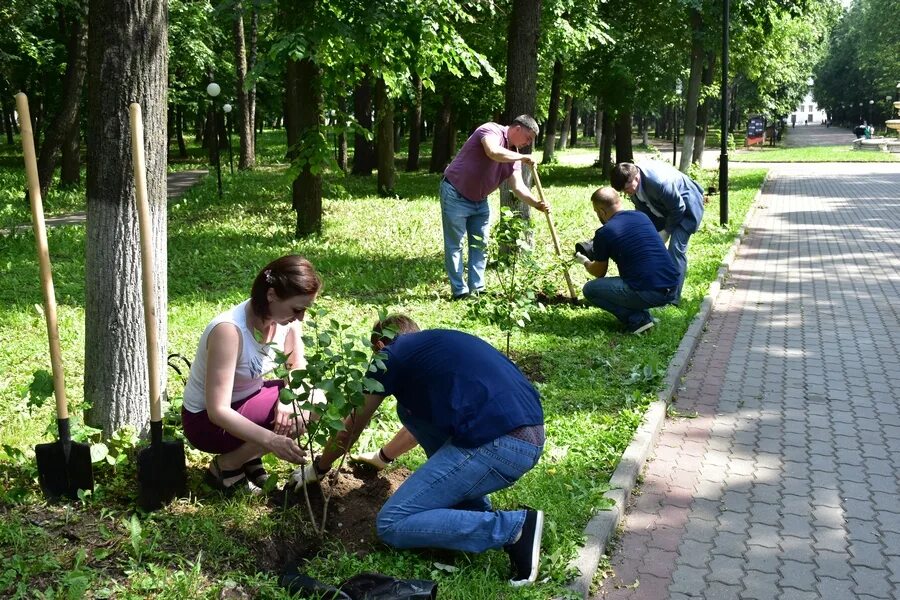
(510, 248)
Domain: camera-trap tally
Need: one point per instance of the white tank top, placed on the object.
(254, 360)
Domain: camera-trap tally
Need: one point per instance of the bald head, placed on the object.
(607, 202)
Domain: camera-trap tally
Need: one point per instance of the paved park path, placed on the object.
(177, 184)
(785, 483)
(817, 135)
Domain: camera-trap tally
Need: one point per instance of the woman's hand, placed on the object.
(286, 423)
(286, 448)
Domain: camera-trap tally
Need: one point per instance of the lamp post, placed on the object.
(214, 90)
(227, 108)
(723, 157)
(675, 119)
(871, 102)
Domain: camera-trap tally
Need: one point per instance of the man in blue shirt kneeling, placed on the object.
(648, 276)
(481, 425)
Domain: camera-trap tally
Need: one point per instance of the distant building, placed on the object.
(807, 112)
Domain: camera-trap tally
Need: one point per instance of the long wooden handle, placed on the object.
(147, 273)
(540, 190)
(40, 236)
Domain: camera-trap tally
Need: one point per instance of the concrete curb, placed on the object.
(602, 527)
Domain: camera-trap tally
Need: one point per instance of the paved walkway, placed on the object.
(785, 484)
(817, 135)
(177, 183)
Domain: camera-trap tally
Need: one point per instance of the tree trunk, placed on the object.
(72, 84)
(624, 152)
(552, 113)
(124, 68)
(342, 136)
(70, 167)
(179, 131)
(415, 125)
(303, 116)
(606, 143)
(703, 110)
(563, 141)
(573, 124)
(363, 152)
(693, 91)
(521, 79)
(384, 113)
(247, 158)
(441, 150)
(7, 122)
(252, 44)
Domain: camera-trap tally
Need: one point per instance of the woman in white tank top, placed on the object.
(230, 409)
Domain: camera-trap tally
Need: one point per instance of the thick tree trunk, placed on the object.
(247, 153)
(70, 166)
(607, 143)
(563, 141)
(521, 79)
(384, 113)
(72, 84)
(124, 68)
(304, 117)
(704, 109)
(441, 149)
(363, 152)
(693, 91)
(415, 125)
(624, 152)
(552, 113)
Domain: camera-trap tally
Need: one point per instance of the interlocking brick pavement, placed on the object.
(785, 484)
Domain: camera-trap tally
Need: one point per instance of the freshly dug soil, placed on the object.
(356, 496)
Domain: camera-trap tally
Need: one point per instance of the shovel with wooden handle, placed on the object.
(161, 469)
(64, 466)
(540, 191)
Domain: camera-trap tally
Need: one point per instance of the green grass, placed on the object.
(595, 382)
(842, 153)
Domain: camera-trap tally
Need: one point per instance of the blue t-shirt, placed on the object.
(460, 384)
(631, 240)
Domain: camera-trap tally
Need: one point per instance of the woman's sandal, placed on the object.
(256, 473)
(224, 481)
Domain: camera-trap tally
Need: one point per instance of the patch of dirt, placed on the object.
(532, 365)
(356, 496)
(557, 299)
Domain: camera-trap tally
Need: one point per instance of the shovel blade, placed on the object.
(64, 468)
(162, 475)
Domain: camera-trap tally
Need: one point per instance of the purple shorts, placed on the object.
(205, 435)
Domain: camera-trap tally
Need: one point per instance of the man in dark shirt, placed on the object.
(648, 276)
(481, 425)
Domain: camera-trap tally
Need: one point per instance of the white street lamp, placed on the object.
(213, 89)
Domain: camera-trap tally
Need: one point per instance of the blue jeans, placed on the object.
(444, 503)
(678, 243)
(628, 305)
(461, 217)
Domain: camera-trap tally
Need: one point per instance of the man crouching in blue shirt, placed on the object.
(648, 276)
(481, 425)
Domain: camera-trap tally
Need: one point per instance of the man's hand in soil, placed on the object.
(308, 473)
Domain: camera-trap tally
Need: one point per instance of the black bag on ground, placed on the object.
(586, 247)
(365, 586)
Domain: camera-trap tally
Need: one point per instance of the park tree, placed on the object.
(127, 67)
(247, 154)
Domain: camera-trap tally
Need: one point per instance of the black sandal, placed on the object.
(218, 479)
(256, 473)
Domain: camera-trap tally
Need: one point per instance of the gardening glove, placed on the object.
(579, 257)
(664, 236)
(307, 474)
(373, 459)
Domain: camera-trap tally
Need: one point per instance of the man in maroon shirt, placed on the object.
(482, 164)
